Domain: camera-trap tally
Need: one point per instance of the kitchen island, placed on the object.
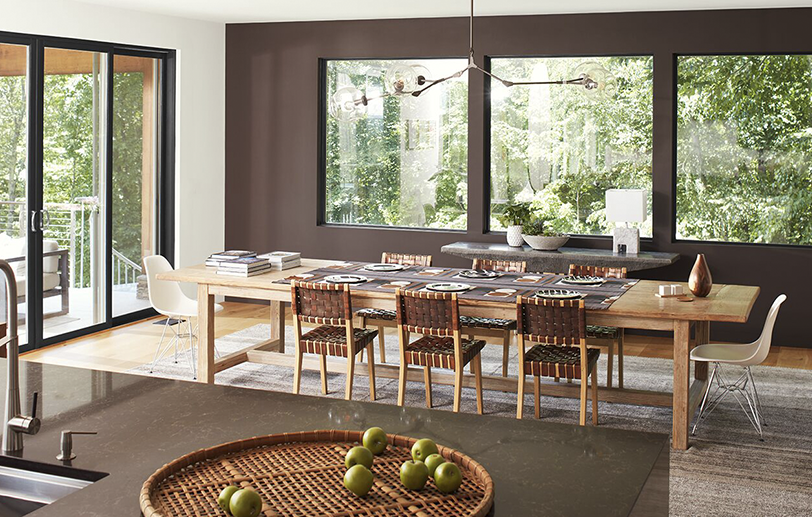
(538, 468)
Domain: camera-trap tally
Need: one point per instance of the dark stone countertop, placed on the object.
(558, 261)
(538, 467)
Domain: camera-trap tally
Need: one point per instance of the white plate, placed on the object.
(479, 273)
(582, 280)
(557, 294)
(448, 287)
(505, 291)
(346, 279)
(384, 267)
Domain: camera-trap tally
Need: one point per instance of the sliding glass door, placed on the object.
(14, 164)
(85, 167)
(73, 190)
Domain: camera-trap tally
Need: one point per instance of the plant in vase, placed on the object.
(513, 216)
(537, 234)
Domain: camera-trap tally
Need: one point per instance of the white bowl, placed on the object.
(545, 243)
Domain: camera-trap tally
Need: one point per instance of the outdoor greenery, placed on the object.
(405, 163)
(560, 149)
(744, 151)
(68, 160)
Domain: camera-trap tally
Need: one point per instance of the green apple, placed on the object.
(245, 503)
(375, 440)
(432, 462)
(225, 496)
(422, 449)
(358, 456)
(447, 477)
(414, 474)
(358, 480)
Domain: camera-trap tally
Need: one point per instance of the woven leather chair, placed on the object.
(507, 266)
(437, 317)
(612, 337)
(494, 327)
(329, 307)
(559, 326)
(383, 318)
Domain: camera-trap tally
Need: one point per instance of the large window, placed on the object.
(744, 148)
(406, 162)
(561, 149)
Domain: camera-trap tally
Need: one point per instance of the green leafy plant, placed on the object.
(515, 213)
(539, 227)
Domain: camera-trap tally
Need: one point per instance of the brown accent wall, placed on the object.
(272, 134)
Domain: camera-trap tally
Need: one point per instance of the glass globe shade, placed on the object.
(348, 103)
(599, 83)
(400, 80)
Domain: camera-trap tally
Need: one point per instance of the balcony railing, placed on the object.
(69, 225)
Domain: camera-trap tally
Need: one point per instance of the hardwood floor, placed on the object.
(126, 347)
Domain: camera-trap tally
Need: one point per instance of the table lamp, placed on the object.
(626, 206)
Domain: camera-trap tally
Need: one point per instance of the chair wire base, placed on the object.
(178, 342)
(743, 390)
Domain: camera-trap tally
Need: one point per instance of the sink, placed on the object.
(26, 485)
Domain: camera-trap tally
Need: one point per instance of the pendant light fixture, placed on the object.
(350, 103)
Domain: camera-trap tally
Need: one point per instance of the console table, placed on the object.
(558, 261)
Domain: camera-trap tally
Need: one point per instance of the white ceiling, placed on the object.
(234, 11)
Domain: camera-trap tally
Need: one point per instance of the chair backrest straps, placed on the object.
(601, 271)
(507, 266)
(434, 314)
(322, 304)
(405, 259)
(559, 322)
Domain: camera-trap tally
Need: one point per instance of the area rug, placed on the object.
(727, 471)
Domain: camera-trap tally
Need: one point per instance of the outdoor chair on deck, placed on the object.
(329, 306)
(612, 337)
(436, 317)
(559, 328)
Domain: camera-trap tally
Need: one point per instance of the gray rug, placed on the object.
(727, 471)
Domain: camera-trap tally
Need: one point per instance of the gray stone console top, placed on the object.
(559, 261)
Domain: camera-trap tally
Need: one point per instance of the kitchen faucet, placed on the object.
(14, 424)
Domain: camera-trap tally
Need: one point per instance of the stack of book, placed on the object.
(280, 260)
(215, 259)
(247, 266)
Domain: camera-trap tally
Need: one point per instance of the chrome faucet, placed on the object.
(15, 424)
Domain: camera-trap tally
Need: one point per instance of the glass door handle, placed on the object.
(40, 219)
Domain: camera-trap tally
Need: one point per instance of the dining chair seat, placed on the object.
(465, 321)
(558, 361)
(725, 353)
(601, 332)
(438, 352)
(332, 340)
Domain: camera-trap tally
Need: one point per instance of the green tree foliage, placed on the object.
(68, 159)
(561, 150)
(744, 141)
(386, 169)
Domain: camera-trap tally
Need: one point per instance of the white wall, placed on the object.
(200, 123)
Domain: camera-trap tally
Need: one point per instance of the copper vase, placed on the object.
(700, 281)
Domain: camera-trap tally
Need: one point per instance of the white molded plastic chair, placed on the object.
(741, 355)
(168, 299)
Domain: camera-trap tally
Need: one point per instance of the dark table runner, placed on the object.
(596, 297)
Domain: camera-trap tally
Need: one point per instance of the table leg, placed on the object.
(278, 324)
(702, 330)
(680, 417)
(205, 338)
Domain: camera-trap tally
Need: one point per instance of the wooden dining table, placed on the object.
(637, 308)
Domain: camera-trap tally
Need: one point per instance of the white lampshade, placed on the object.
(626, 205)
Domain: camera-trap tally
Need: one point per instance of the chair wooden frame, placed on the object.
(336, 316)
(408, 324)
(574, 335)
(610, 343)
(387, 257)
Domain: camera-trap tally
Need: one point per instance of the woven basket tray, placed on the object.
(302, 474)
